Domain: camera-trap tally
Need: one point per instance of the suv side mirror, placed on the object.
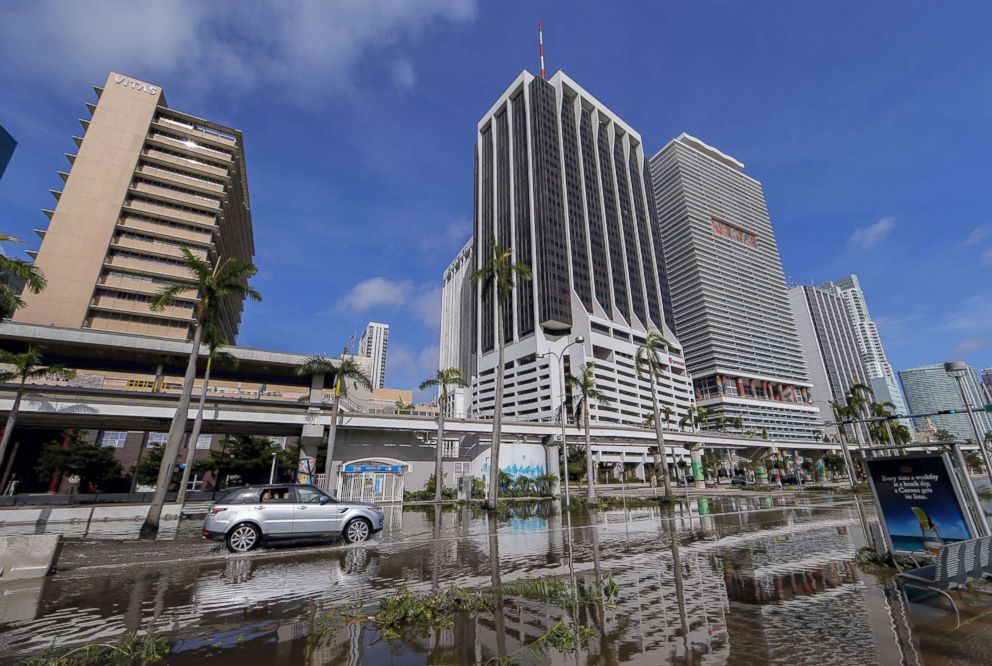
(323, 500)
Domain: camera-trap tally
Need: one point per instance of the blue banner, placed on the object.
(351, 469)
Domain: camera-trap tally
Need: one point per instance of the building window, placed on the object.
(279, 441)
(158, 438)
(204, 441)
(463, 469)
(113, 439)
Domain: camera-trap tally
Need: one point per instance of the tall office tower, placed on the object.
(145, 182)
(930, 388)
(727, 291)
(829, 345)
(457, 346)
(880, 375)
(374, 343)
(987, 385)
(7, 146)
(560, 181)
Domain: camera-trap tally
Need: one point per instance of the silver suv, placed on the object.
(246, 516)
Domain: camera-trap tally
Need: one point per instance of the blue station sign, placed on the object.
(395, 469)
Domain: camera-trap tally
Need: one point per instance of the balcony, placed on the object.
(148, 267)
(171, 177)
(169, 213)
(156, 249)
(187, 146)
(188, 163)
(206, 137)
(175, 195)
(141, 308)
(178, 234)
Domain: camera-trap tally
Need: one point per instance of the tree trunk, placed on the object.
(332, 434)
(438, 475)
(497, 416)
(195, 435)
(660, 433)
(590, 469)
(149, 529)
(8, 428)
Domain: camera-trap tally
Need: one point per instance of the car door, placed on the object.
(316, 513)
(276, 510)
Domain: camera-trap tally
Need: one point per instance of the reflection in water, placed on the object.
(735, 580)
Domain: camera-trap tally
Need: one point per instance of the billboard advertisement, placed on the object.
(919, 503)
(305, 469)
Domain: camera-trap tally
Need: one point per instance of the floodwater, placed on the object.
(748, 580)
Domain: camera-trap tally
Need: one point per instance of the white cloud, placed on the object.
(426, 308)
(300, 47)
(987, 257)
(867, 237)
(404, 77)
(978, 234)
(971, 345)
(375, 292)
(422, 302)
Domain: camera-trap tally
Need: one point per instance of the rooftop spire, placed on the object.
(540, 42)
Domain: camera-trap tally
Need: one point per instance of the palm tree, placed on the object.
(33, 278)
(666, 412)
(343, 370)
(859, 397)
(688, 420)
(442, 380)
(739, 422)
(213, 286)
(649, 363)
(215, 341)
(880, 429)
(499, 272)
(585, 387)
(26, 365)
(702, 417)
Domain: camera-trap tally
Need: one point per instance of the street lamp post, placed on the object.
(561, 410)
(848, 459)
(958, 369)
(272, 470)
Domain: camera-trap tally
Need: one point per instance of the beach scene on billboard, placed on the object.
(920, 505)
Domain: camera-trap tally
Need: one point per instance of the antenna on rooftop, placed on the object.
(540, 41)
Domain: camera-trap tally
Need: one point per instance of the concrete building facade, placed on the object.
(723, 278)
(829, 345)
(881, 377)
(374, 344)
(930, 388)
(560, 180)
(145, 182)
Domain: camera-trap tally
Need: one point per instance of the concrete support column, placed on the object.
(656, 468)
(553, 466)
(696, 456)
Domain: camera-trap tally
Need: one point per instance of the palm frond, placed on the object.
(7, 375)
(350, 370)
(316, 365)
(167, 296)
(33, 278)
(199, 268)
(428, 383)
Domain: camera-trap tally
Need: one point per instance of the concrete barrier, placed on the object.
(28, 555)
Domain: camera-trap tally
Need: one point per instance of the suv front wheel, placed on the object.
(242, 538)
(357, 531)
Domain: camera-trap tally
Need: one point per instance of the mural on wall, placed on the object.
(514, 471)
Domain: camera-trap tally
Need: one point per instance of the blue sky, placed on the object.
(867, 123)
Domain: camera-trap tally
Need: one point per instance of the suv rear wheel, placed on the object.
(242, 538)
(357, 531)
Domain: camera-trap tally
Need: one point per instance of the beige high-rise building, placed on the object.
(146, 181)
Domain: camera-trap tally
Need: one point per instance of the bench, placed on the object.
(956, 564)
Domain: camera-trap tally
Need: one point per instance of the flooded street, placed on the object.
(745, 580)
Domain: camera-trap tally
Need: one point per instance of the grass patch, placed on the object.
(410, 615)
(133, 649)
